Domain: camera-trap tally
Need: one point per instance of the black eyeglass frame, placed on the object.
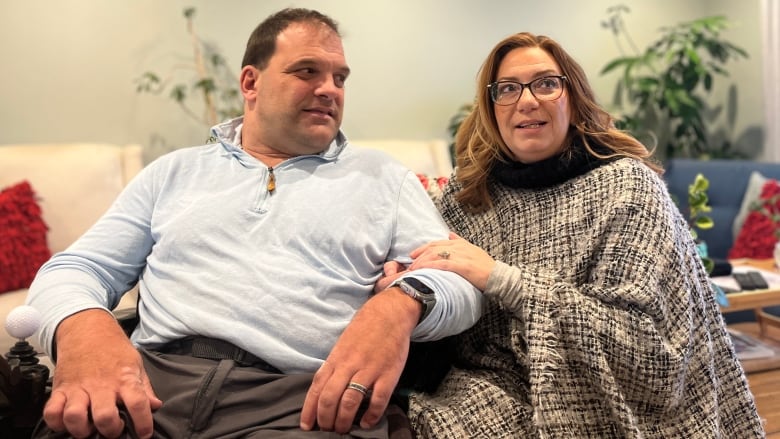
(524, 86)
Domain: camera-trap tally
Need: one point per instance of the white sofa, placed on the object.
(75, 183)
(429, 157)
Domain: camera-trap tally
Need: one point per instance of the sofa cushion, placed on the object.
(429, 157)
(433, 184)
(752, 194)
(23, 247)
(757, 237)
(75, 183)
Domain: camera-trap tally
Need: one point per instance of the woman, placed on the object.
(601, 321)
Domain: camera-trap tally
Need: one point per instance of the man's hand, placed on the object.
(372, 352)
(392, 271)
(97, 369)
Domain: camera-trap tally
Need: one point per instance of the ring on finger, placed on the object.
(444, 254)
(359, 387)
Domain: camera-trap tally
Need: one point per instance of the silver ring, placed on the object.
(359, 387)
(444, 254)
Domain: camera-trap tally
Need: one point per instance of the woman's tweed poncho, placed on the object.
(600, 321)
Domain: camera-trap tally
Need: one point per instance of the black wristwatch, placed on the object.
(419, 292)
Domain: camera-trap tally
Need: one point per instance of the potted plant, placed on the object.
(663, 88)
(698, 215)
(207, 77)
(455, 121)
(699, 219)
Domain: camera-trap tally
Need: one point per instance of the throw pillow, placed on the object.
(434, 185)
(757, 237)
(752, 193)
(23, 247)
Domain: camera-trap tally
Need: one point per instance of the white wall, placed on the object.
(69, 65)
(748, 129)
(770, 11)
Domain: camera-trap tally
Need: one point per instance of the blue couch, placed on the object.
(728, 182)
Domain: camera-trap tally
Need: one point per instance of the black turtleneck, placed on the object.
(573, 162)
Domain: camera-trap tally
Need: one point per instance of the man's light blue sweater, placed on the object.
(279, 273)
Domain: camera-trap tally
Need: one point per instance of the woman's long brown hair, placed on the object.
(478, 143)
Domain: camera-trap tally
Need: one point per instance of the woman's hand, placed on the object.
(456, 255)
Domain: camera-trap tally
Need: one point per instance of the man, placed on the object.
(254, 254)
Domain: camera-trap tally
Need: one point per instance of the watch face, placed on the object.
(419, 292)
(418, 285)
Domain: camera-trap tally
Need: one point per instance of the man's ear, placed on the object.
(249, 81)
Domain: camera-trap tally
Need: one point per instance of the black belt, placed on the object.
(214, 349)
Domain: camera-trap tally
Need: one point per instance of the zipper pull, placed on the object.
(271, 180)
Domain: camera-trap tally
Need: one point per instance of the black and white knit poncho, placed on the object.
(600, 321)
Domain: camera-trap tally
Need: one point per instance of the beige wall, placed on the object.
(69, 65)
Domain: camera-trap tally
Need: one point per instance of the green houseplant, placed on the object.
(455, 121)
(699, 219)
(664, 88)
(698, 215)
(206, 77)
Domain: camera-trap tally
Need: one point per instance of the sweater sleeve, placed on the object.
(458, 303)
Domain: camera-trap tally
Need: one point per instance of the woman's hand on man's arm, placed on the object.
(458, 256)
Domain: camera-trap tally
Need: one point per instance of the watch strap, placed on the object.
(427, 299)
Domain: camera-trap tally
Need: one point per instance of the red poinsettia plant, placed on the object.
(761, 229)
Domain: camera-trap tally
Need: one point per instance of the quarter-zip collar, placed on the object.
(228, 134)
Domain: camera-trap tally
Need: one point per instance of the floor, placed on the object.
(765, 384)
(766, 390)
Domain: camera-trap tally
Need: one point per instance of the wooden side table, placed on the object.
(763, 374)
(757, 299)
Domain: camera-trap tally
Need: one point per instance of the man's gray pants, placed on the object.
(204, 398)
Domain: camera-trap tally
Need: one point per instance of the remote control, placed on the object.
(750, 280)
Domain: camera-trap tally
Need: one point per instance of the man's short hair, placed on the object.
(262, 42)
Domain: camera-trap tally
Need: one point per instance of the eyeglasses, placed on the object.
(546, 88)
